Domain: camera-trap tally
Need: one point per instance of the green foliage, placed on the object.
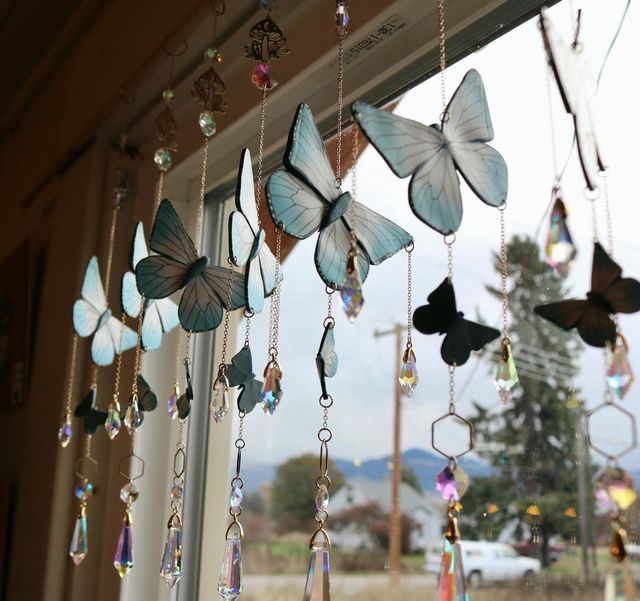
(409, 476)
(294, 491)
(531, 440)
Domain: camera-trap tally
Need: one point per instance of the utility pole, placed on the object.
(583, 503)
(395, 517)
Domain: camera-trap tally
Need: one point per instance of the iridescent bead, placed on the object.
(129, 493)
(262, 77)
(213, 55)
(65, 433)
(84, 490)
(235, 498)
(207, 124)
(163, 159)
(168, 95)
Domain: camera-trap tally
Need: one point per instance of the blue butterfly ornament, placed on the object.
(160, 315)
(304, 198)
(247, 246)
(434, 155)
(92, 317)
(177, 266)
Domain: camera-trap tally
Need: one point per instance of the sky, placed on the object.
(516, 80)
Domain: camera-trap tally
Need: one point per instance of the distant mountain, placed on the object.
(425, 464)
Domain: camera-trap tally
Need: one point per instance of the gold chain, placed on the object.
(225, 337)
(274, 308)
(72, 373)
(136, 369)
(339, 103)
(94, 376)
(203, 183)
(354, 184)
(607, 206)
(443, 55)
(409, 293)
(554, 150)
(263, 108)
(160, 189)
(504, 273)
(449, 241)
(116, 391)
(112, 237)
(452, 389)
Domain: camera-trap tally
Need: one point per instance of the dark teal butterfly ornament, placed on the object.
(240, 373)
(178, 266)
(327, 358)
(304, 198)
(434, 155)
(160, 315)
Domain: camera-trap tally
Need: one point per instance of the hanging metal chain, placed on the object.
(323, 481)
(504, 274)
(274, 309)
(136, 367)
(452, 389)
(449, 242)
(116, 386)
(71, 378)
(237, 484)
(409, 251)
(442, 56)
(354, 185)
(225, 335)
(259, 173)
(607, 206)
(177, 487)
(112, 237)
(203, 184)
(557, 174)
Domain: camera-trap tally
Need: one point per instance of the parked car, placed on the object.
(485, 561)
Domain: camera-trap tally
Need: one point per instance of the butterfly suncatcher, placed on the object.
(576, 89)
(160, 315)
(610, 293)
(92, 316)
(178, 266)
(304, 198)
(327, 358)
(247, 244)
(441, 316)
(240, 373)
(432, 154)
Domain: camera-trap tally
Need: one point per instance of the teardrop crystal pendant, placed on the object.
(351, 292)
(408, 372)
(620, 375)
(79, 544)
(219, 405)
(123, 560)
(171, 568)
(65, 432)
(113, 421)
(230, 581)
(506, 380)
(451, 581)
(560, 250)
(317, 587)
(271, 392)
(133, 416)
(172, 402)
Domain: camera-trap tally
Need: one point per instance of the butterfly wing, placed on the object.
(88, 309)
(168, 312)
(466, 130)
(380, 237)
(218, 280)
(268, 269)
(159, 277)
(565, 314)
(131, 297)
(200, 308)
(440, 312)
(596, 327)
(327, 352)
(103, 345)
(245, 191)
(249, 396)
(83, 407)
(254, 286)
(464, 336)
(294, 205)
(306, 156)
(403, 143)
(151, 328)
(169, 237)
(147, 399)
(139, 249)
(332, 251)
(93, 420)
(241, 239)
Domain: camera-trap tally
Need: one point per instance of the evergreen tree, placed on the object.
(530, 441)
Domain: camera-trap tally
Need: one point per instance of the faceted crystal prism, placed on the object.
(84, 490)
(113, 422)
(207, 124)
(230, 582)
(133, 416)
(620, 375)
(163, 159)
(262, 77)
(171, 568)
(506, 380)
(451, 582)
(451, 483)
(79, 544)
(219, 406)
(271, 392)
(235, 498)
(317, 587)
(172, 404)
(129, 493)
(65, 433)
(560, 250)
(408, 372)
(322, 498)
(342, 18)
(351, 292)
(123, 560)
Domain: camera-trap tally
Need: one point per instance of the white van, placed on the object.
(485, 561)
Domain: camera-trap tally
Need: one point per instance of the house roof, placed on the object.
(361, 491)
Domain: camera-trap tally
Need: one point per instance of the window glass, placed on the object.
(504, 542)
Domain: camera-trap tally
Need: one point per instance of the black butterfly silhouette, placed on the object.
(327, 358)
(441, 316)
(184, 401)
(94, 418)
(240, 373)
(610, 293)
